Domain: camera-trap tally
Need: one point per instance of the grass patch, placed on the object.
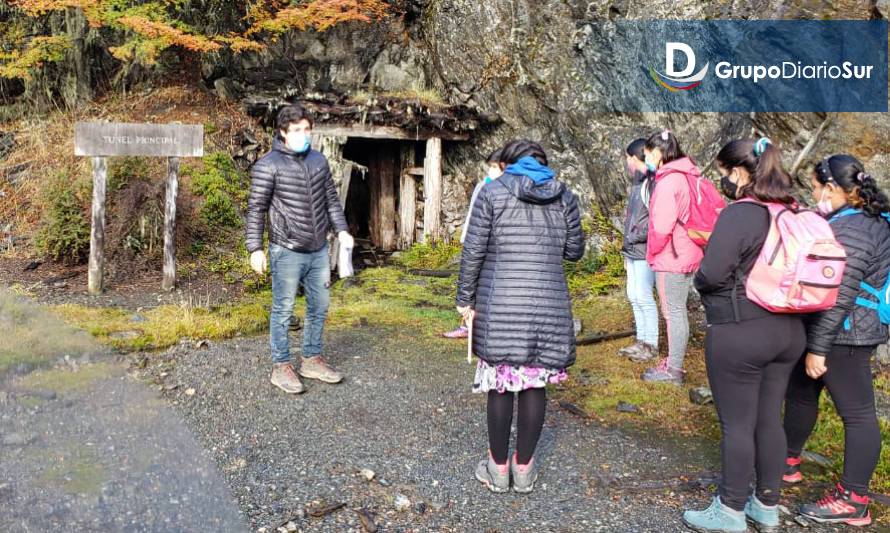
(33, 336)
(165, 325)
(600, 379)
(390, 297)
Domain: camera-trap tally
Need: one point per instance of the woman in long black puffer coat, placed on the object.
(513, 286)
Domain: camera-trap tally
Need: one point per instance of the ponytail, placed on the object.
(849, 174)
(873, 200)
(770, 182)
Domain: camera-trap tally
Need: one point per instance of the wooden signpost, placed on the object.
(102, 139)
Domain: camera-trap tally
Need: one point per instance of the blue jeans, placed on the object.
(289, 270)
(640, 292)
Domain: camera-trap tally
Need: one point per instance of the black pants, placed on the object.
(849, 381)
(532, 407)
(748, 365)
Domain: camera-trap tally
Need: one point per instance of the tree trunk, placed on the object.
(76, 27)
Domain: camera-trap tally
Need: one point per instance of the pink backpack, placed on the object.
(800, 266)
(705, 204)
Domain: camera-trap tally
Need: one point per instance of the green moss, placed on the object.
(433, 255)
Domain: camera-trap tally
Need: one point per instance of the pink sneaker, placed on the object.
(460, 333)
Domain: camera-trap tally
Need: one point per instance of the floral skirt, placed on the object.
(514, 378)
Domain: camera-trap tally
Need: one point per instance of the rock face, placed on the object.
(543, 67)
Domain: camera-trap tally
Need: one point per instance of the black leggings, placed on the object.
(849, 381)
(748, 365)
(532, 406)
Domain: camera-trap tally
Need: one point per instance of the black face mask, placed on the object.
(729, 188)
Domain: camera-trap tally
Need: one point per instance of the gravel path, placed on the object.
(93, 450)
(405, 412)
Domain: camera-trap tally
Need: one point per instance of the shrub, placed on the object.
(64, 232)
(224, 189)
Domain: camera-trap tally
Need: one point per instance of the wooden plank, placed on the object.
(389, 173)
(415, 171)
(121, 138)
(407, 198)
(381, 185)
(432, 190)
(169, 281)
(373, 180)
(97, 228)
(385, 132)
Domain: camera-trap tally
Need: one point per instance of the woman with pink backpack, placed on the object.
(750, 351)
(671, 251)
(842, 340)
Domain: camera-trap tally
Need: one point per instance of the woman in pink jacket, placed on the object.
(671, 253)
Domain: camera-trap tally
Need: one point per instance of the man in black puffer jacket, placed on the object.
(292, 183)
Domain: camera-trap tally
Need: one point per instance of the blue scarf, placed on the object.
(531, 167)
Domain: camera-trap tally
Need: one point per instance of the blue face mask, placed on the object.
(650, 166)
(297, 141)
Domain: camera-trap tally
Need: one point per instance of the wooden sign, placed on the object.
(119, 138)
(101, 139)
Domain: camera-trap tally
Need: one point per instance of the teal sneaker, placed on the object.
(764, 518)
(716, 518)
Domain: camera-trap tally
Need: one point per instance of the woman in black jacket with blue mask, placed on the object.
(512, 289)
(841, 340)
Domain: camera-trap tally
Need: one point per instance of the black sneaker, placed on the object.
(840, 506)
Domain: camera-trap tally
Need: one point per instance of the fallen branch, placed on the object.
(574, 409)
(601, 337)
(698, 481)
(325, 510)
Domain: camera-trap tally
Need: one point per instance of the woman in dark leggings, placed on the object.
(749, 352)
(512, 289)
(841, 341)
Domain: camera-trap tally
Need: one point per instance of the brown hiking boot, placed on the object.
(284, 377)
(317, 368)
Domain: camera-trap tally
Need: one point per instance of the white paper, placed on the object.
(344, 262)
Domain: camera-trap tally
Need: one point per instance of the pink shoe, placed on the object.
(460, 333)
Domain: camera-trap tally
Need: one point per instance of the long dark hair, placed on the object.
(849, 174)
(770, 182)
(516, 149)
(635, 149)
(667, 142)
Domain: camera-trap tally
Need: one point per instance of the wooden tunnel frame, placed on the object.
(395, 226)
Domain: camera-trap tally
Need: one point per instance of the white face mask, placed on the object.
(297, 141)
(824, 205)
(493, 173)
